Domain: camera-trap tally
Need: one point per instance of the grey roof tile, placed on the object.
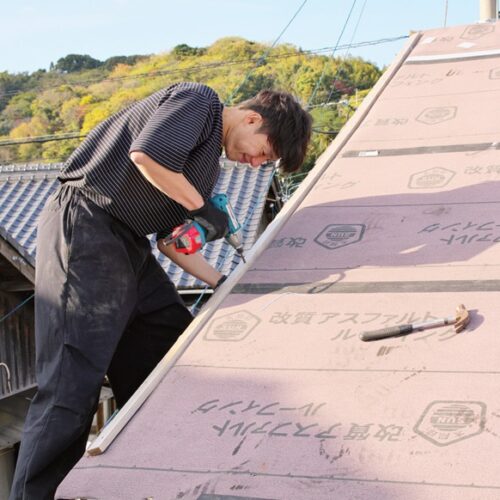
(24, 190)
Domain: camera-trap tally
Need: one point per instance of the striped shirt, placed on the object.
(180, 127)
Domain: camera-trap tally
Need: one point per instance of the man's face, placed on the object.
(245, 145)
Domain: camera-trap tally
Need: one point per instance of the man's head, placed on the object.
(269, 126)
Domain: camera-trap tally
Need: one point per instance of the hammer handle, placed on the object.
(383, 333)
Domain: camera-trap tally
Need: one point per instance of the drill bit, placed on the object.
(240, 253)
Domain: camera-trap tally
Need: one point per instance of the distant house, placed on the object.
(24, 190)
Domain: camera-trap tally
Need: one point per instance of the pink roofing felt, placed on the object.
(276, 397)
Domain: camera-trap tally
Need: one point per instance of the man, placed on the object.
(103, 303)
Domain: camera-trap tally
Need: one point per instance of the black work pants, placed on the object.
(103, 304)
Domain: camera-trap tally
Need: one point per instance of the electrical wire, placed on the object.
(347, 52)
(201, 67)
(258, 61)
(12, 311)
(56, 137)
(165, 72)
(42, 138)
(357, 25)
(318, 82)
(2, 319)
(325, 132)
(262, 59)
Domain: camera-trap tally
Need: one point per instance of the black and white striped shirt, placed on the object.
(180, 127)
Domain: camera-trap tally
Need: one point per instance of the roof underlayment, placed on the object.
(276, 397)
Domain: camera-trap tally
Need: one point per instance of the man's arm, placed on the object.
(173, 184)
(194, 264)
(179, 189)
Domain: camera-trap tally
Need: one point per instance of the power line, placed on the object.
(325, 132)
(65, 136)
(42, 138)
(157, 73)
(201, 67)
(262, 59)
(318, 82)
(12, 311)
(358, 21)
(154, 74)
(347, 52)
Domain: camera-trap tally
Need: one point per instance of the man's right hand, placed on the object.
(213, 220)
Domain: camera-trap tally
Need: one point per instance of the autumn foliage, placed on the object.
(78, 92)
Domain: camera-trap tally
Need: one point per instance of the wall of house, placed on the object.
(17, 344)
(7, 464)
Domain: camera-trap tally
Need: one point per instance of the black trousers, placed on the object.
(103, 304)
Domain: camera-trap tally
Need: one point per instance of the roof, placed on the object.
(24, 190)
(275, 395)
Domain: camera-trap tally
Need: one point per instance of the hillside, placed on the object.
(78, 91)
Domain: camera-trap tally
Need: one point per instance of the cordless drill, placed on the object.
(190, 237)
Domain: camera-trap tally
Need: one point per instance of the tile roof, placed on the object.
(24, 189)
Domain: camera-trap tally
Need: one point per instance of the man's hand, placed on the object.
(213, 220)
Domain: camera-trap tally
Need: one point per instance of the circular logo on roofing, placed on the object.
(232, 327)
(436, 177)
(447, 422)
(476, 31)
(432, 116)
(494, 74)
(340, 235)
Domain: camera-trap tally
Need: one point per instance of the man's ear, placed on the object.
(253, 117)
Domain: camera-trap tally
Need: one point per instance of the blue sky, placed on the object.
(35, 33)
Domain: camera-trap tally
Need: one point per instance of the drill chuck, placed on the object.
(235, 241)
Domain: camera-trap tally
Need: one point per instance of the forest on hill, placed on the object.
(45, 115)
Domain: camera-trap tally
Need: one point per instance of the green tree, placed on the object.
(182, 50)
(11, 85)
(17, 110)
(76, 62)
(111, 62)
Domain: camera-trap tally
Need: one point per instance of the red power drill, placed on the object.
(190, 237)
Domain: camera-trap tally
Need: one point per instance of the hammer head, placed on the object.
(462, 318)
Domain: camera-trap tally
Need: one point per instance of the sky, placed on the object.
(35, 33)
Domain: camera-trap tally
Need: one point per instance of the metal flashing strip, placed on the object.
(461, 56)
(209, 496)
(423, 150)
(369, 287)
(287, 475)
(30, 170)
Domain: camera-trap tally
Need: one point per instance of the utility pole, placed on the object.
(488, 10)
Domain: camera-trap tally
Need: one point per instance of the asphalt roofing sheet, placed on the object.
(277, 397)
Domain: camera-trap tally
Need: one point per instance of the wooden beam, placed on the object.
(20, 285)
(106, 437)
(16, 260)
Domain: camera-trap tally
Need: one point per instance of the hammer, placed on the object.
(460, 321)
